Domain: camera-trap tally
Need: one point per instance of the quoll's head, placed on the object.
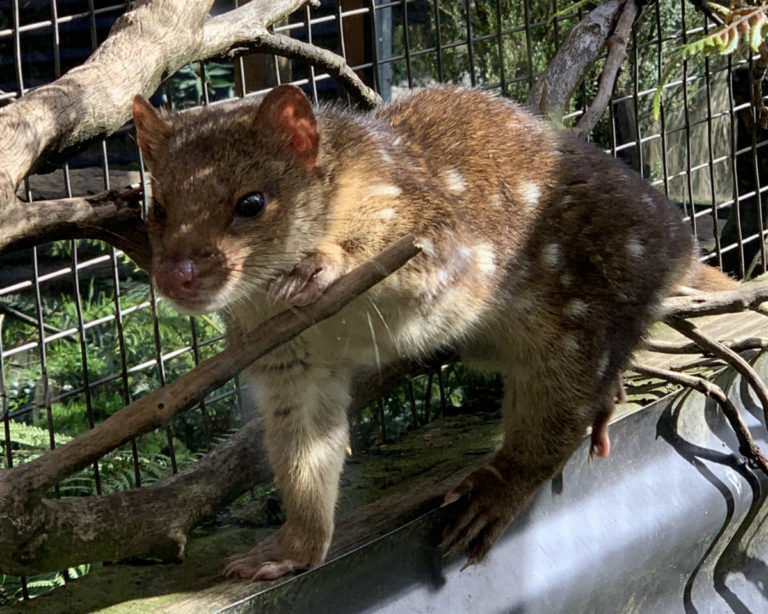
(238, 195)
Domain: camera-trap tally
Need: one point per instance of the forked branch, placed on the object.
(747, 445)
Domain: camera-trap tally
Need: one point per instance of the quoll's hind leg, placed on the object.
(306, 434)
(601, 443)
(545, 418)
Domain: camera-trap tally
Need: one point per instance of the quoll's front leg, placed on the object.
(305, 283)
(544, 422)
(305, 427)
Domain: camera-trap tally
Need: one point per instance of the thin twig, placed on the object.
(747, 445)
(671, 347)
(265, 41)
(732, 358)
(617, 53)
(746, 296)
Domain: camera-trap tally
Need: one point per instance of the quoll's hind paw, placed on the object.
(277, 555)
(253, 567)
(485, 513)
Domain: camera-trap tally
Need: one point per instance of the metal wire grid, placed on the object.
(422, 46)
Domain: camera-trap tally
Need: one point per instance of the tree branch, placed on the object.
(729, 356)
(550, 94)
(29, 523)
(747, 445)
(617, 53)
(260, 39)
(738, 345)
(95, 98)
(746, 296)
(113, 216)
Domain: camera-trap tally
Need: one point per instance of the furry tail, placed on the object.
(703, 278)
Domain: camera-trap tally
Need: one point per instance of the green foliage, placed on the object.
(185, 88)
(10, 586)
(743, 25)
(464, 391)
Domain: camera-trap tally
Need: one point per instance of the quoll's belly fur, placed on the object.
(541, 258)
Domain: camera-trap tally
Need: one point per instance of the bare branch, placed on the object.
(729, 356)
(738, 345)
(95, 98)
(617, 53)
(746, 296)
(149, 411)
(747, 445)
(260, 39)
(113, 216)
(550, 94)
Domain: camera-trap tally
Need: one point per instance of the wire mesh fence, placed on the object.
(82, 331)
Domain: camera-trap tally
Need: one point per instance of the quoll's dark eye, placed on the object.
(158, 212)
(251, 204)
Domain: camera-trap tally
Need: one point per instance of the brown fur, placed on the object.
(542, 258)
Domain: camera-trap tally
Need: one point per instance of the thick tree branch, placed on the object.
(617, 53)
(95, 98)
(550, 94)
(113, 216)
(27, 530)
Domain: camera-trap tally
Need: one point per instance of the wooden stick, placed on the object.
(732, 358)
(747, 445)
(152, 410)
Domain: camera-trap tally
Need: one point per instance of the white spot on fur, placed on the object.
(386, 158)
(426, 246)
(485, 259)
(651, 202)
(397, 142)
(495, 200)
(551, 257)
(530, 194)
(387, 214)
(575, 308)
(382, 190)
(566, 200)
(635, 249)
(454, 181)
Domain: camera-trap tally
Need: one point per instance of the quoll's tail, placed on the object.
(703, 278)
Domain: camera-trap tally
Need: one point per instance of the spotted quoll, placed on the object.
(542, 258)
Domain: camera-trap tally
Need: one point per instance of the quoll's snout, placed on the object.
(178, 279)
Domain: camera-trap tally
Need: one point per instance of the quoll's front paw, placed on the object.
(486, 511)
(275, 557)
(305, 283)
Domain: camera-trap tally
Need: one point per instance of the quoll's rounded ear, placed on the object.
(286, 110)
(152, 131)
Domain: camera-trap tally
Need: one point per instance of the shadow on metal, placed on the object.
(673, 521)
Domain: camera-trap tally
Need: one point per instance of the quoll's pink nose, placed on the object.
(177, 278)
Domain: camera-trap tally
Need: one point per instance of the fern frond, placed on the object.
(745, 24)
